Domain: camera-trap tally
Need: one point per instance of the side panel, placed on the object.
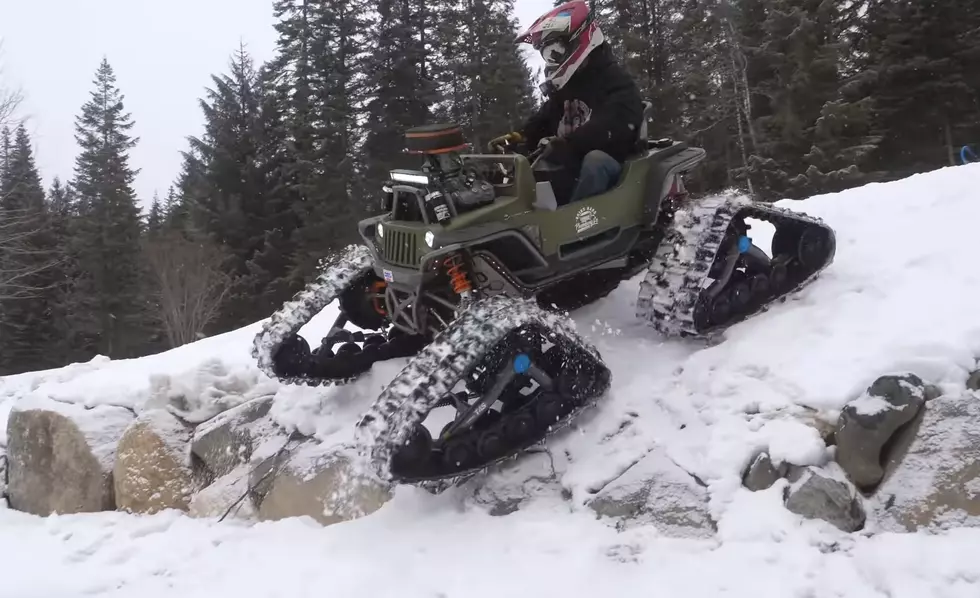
(621, 207)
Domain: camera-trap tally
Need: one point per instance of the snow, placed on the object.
(901, 296)
(870, 405)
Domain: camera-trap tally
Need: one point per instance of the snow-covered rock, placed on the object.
(868, 422)
(819, 494)
(229, 439)
(657, 492)
(314, 481)
(60, 456)
(153, 467)
(762, 474)
(934, 477)
(227, 494)
(508, 487)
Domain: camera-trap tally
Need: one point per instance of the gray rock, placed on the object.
(817, 496)
(3, 478)
(228, 494)
(227, 440)
(933, 478)
(314, 481)
(657, 492)
(153, 469)
(516, 482)
(973, 382)
(761, 474)
(867, 424)
(60, 456)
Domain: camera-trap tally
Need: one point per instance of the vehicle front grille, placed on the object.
(401, 248)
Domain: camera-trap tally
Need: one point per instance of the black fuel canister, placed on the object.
(438, 207)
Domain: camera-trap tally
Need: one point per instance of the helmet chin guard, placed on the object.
(564, 36)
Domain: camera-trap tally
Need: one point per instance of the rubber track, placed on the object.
(306, 304)
(676, 276)
(435, 371)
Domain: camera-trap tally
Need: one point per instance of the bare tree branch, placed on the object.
(20, 258)
(190, 286)
(10, 99)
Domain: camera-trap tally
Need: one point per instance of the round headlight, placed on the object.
(429, 238)
(381, 231)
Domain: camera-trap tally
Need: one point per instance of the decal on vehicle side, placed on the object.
(585, 219)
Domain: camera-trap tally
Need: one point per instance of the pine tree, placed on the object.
(26, 326)
(154, 219)
(400, 83)
(925, 66)
(105, 306)
(484, 80)
(227, 187)
(801, 47)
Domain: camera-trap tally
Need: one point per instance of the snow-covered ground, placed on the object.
(901, 295)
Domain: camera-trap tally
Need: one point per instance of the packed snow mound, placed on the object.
(901, 296)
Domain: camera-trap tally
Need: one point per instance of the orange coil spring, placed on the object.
(457, 275)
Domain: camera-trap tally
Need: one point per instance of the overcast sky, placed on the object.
(163, 54)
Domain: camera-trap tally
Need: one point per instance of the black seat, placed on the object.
(642, 135)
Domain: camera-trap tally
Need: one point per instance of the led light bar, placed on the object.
(409, 176)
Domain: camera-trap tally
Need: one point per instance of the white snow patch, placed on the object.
(870, 405)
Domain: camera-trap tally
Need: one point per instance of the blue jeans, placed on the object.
(598, 174)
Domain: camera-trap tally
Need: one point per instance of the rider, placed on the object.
(593, 111)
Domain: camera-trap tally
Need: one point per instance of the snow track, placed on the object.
(901, 294)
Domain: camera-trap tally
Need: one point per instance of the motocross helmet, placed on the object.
(564, 36)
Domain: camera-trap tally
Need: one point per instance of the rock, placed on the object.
(933, 392)
(3, 478)
(514, 483)
(657, 492)
(229, 439)
(153, 468)
(973, 382)
(815, 495)
(867, 424)
(60, 456)
(761, 474)
(230, 491)
(314, 481)
(935, 481)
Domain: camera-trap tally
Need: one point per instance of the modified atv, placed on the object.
(468, 269)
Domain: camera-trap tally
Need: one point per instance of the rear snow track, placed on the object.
(903, 293)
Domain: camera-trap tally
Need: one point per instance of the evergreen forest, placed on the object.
(790, 98)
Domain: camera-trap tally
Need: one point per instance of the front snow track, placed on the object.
(674, 295)
(528, 360)
(282, 354)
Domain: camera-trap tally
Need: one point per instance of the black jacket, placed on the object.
(600, 108)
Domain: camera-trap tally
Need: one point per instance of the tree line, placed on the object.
(789, 97)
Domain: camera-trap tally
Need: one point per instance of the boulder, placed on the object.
(230, 439)
(60, 456)
(869, 422)
(518, 481)
(817, 494)
(153, 468)
(973, 382)
(314, 481)
(3, 478)
(227, 494)
(656, 491)
(933, 478)
(761, 474)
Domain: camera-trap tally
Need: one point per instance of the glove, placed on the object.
(555, 150)
(499, 142)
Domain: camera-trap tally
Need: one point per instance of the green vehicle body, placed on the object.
(520, 243)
